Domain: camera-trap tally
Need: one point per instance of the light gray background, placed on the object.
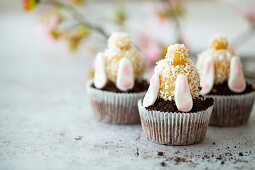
(44, 107)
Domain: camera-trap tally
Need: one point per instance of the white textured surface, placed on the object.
(43, 108)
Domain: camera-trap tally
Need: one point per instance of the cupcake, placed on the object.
(173, 112)
(222, 79)
(117, 84)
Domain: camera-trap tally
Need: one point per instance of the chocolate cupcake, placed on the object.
(117, 85)
(222, 79)
(173, 112)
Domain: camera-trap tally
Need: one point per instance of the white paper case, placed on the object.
(232, 110)
(174, 128)
(111, 107)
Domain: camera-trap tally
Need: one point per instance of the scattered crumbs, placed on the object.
(179, 159)
(222, 159)
(160, 153)
(176, 152)
(78, 138)
(138, 138)
(163, 163)
(137, 152)
(206, 156)
(219, 157)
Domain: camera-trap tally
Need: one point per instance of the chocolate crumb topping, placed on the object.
(199, 104)
(222, 89)
(140, 86)
(163, 163)
(160, 153)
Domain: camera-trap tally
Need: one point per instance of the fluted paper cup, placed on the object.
(174, 128)
(232, 110)
(111, 107)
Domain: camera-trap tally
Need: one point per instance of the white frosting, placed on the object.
(236, 81)
(207, 77)
(125, 75)
(183, 99)
(152, 93)
(100, 78)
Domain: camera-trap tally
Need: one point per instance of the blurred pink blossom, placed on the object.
(45, 29)
(155, 19)
(152, 52)
(150, 48)
(249, 14)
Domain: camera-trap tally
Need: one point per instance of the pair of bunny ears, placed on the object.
(183, 99)
(125, 74)
(236, 81)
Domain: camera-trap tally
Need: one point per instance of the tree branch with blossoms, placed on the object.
(53, 17)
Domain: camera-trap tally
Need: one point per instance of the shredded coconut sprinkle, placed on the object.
(177, 53)
(119, 40)
(168, 72)
(119, 45)
(221, 58)
(218, 42)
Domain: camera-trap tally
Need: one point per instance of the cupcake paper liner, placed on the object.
(111, 107)
(232, 110)
(174, 128)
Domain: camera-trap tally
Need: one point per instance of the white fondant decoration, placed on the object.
(236, 81)
(183, 99)
(100, 78)
(152, 93)
(207, 78)
(125, 75)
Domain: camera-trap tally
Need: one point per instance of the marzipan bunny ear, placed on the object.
(236, 81)
(125, 75)
(183, 99)
(100, 78)
(207, 78)
(152, 93)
